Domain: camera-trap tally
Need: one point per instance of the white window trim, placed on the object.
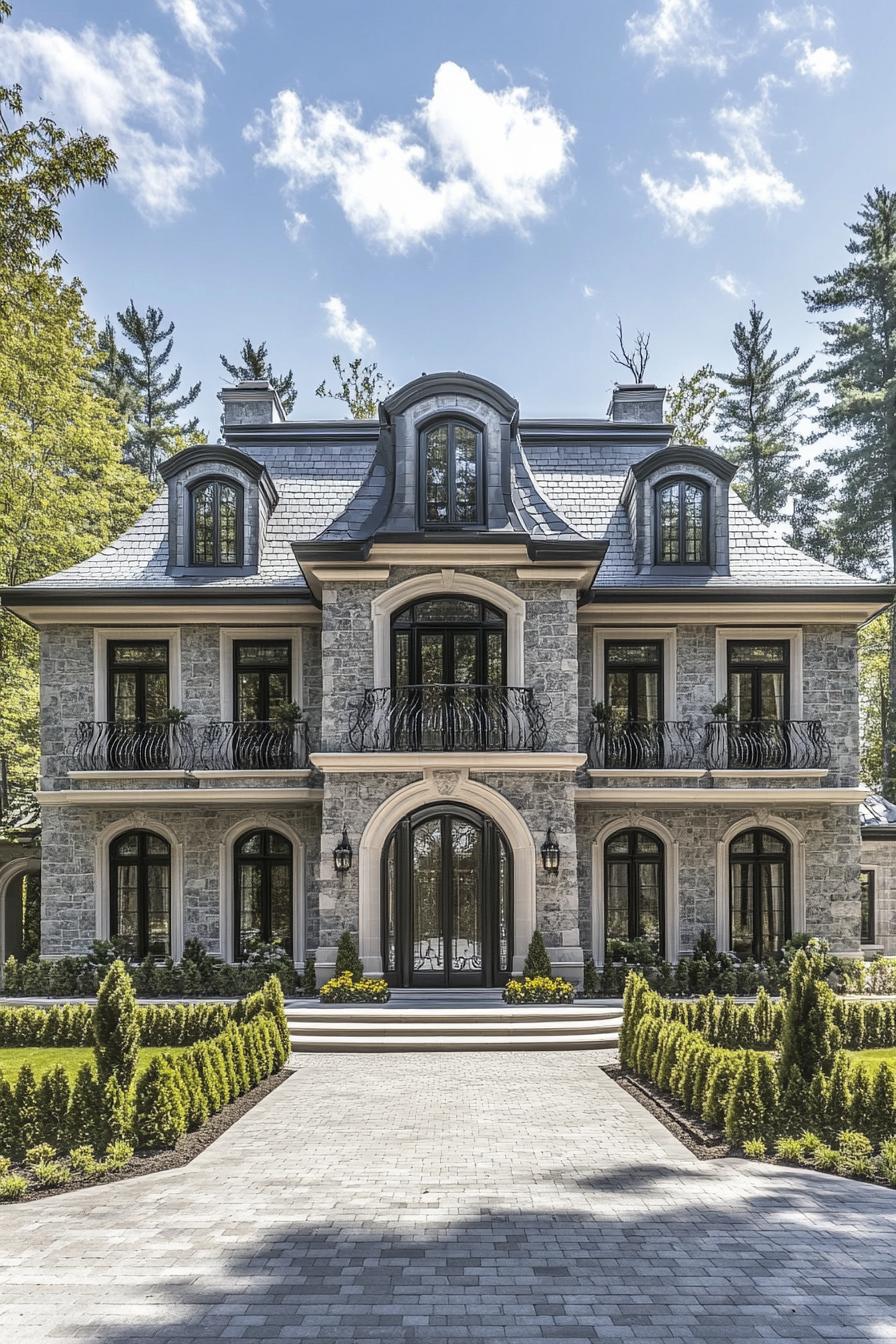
(102, 636)
(794, 637)
(139, 821)
(669, 637)
(767, 822)
(434, 585)
(635, 821)
(230, 635)
(261, 821)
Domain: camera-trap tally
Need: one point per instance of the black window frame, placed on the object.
(733, 664)
(756, 859)
(867, 913)
(658, 666)
(405, 622)
(217, 562)
(681, 560)
(451, 423)
(112, 667)
(238, 667)
(266, 860)
(631, 859)
(142, 861)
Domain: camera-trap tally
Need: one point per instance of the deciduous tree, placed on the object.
(361, 386)
(693, 406)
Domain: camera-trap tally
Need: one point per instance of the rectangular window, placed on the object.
(866, 888)
(138, 680)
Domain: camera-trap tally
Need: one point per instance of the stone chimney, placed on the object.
(638, 402)
(252, 402)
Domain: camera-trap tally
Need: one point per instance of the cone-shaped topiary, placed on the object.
(840, 1094)
(54, 1096)
(117, 1114)
(591, 980)
(860, 1111)
(794, 1104)
(819, 1092)
(347, 958)
(192, 1090)
(633, 999)
(84, 1113)
(28, 1116)
(160, 1116)
(883, 1105)
(537, 960)
(770, 1095)
(728, 1026)
(744, 1112)
(763, 1020)
(809, 1039)
(116, 1028)
(272, 991)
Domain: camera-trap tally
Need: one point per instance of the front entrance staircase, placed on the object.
(456, 1019)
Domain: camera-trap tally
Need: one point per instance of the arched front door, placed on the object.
(447, 900)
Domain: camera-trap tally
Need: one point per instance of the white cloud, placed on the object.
(587, 292)
(117, 86)
(340, 327)
(466, 159)
(204, 24)
(746, 175)
(678, 32)
(295, 225)
(812, 17)
(729, 284)
(823, 64)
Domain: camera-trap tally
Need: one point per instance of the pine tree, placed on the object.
(116, 1028)
(759, 418)
(155, 431)
(859, 300)
(361, 386)
(110, 376)
(254, 363)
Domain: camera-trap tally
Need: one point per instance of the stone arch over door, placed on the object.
(11, 875)
(626, 822)
(440, 786)
(439, 584)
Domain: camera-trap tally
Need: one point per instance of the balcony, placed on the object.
(254, 745)
(443, 718)
(640, 745)
(767, 744)
(132, 748)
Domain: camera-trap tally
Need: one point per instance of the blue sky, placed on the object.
(464, 185)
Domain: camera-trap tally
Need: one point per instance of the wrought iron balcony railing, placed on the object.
(447, 718)
(254, 745)
(132, 746)
(639, 744)
(767, 744)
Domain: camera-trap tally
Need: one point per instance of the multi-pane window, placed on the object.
(682, 523)
(866, 890)
(216, 523)
(760, 893)
(758, 680)
(634, 887)
(451, 493)
(138, 680)
(140, 892)
(263, 891)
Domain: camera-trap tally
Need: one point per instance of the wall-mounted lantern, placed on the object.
(342, 854)
(550, 852)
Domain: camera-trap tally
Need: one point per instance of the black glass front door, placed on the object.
(447, 901)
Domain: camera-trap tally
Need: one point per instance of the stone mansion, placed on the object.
(442, 678)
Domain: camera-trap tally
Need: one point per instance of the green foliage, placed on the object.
(817, 1104)
(118, 1155)
(537, 960)
(309, 978)
(809, 1038)
(794, 1103)
(41, 1152)
(84, 1114)
(854, 1154)
(883, 1104)
(633, 1007)
(727, 1030)
(720, 1079)
(789, 1150)
(116, 1118)
(13, 1187)
(874, 696)
(82, 1160)
(347, 959)
(160, 1115)
(346, 988)
(361, 386)
(861, 1110)
(693, 405)
(539, 989)
(769, 394)
(888, 1160)
(191, 1086)
(591, 980)
(745, 1115)
(53, 1101)
(51, 1175)
(253, 363)
(116, 1028)
(839, 1107)
(755, 1148)
(27, 1113)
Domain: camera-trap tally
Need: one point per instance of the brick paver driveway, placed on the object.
(465, 1196)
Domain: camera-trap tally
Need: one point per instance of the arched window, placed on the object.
(682, 523)
(451, 475)
(263, 891)
(216, 508)
(634, 888)
(140, 891)
(760, 893)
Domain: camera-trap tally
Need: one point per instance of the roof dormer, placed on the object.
(219, 503)
(677, 505)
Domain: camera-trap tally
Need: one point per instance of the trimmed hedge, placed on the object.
(71, 1024)
(173, 1095)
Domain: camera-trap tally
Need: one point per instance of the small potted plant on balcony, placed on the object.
(285, 717)
(721, 709)
(600, 712)
(173, 715)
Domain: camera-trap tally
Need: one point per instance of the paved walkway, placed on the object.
(452, 1197)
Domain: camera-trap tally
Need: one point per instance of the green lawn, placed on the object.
(874, 1057)
(43, 1058)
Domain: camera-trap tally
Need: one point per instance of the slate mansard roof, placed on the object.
(566, 481)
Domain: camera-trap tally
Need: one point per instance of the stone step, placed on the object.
(389, 1041)
(386, 1012)
(474, 1027)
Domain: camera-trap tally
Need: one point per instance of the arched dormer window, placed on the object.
(216, 523)
(451, 475)
(682, 522)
